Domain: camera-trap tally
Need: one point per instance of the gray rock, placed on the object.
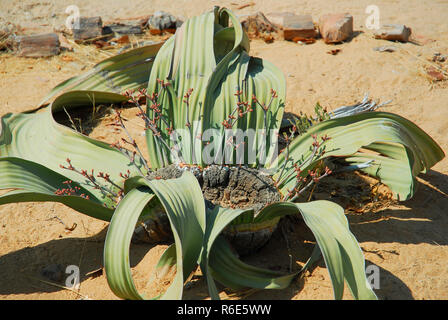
(162, 20)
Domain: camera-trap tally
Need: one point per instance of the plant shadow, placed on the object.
(419, 220)
(23, 270)
(422, 219)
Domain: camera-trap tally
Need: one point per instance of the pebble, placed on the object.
(386, 49)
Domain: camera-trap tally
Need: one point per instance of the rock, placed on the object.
(298, 26)
(38, 45)
(257, 25)
(53, 272)
(394, 32)
(336, 27)
(164, 21)
(89, 28)
(278, 18)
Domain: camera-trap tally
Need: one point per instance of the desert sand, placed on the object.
(408, 241)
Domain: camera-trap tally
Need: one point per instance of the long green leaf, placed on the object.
(215, 63)
(341, 251)
(184, 204)
(394, 137)
(34, 182)
(118, 240)
(126, 71)
(37, 137)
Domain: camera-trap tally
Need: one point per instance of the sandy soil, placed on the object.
(407, 241)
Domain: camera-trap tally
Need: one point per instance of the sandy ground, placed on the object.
(407, 241)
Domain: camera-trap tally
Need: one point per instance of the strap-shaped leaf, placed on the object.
(391, 166)
(228, 269)
(34, 182)
(118, 240)
(214, 63)
(379, 131)
(340, 249)
(37, 137)
(192, 237)
(219, 262)
(183, 202)
(129, 70)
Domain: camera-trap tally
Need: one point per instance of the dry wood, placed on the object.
(89, 28)
(38, 45)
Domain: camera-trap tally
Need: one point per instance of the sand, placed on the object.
(407, 241)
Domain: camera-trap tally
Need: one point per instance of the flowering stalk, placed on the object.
(315, 178)
(151, 123)
(119, 122)
(188, 123)
(265, 107)
(316, 154)
(106, 191)
(288, 140)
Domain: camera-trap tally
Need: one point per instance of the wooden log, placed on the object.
(38, 45)
(123, 28)
(89, 28)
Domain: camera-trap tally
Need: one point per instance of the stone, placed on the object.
(257, 25)
(38, 45)
(394, 32)
(89, 28)
(298, 26)
(336, 27)
(164, 21)
(278, 18)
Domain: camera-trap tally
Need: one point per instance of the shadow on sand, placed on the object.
(422, 219)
